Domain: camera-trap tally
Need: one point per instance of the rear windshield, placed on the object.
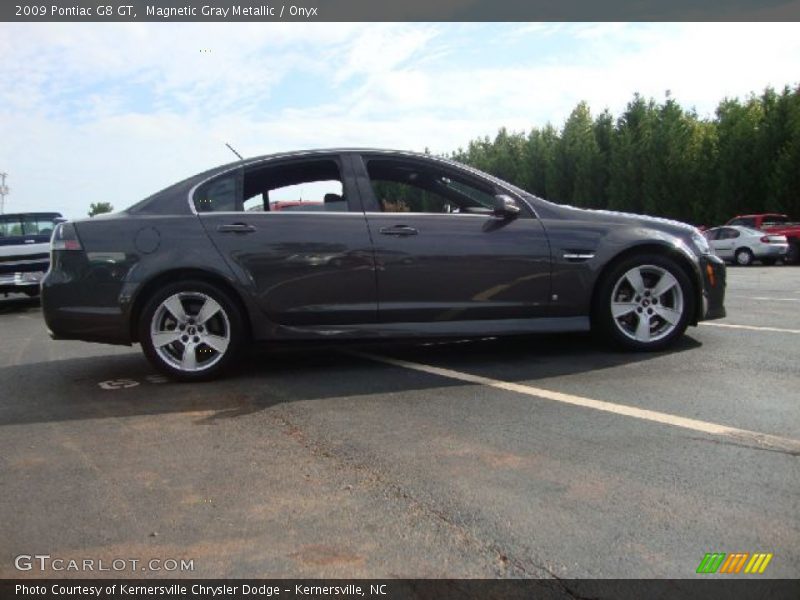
(751, 231)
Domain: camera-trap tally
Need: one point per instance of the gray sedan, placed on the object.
(743, 245)
(389, 245)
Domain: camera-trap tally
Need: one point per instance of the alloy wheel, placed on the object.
(190, 331)
(647, 303)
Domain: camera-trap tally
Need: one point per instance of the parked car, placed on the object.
(775, 223)
(25, 250)
(408, 245)
(297, 205)
(744, 245)
(302, 205)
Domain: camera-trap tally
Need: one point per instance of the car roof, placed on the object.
(759, 215)
(31, 214)
(323, 151)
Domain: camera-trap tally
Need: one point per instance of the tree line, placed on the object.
(659, 158)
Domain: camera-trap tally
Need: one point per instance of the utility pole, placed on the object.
(3, 192)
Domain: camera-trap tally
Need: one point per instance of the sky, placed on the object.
(97, 112)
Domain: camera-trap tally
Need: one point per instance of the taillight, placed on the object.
(774, 239)
(65, 238)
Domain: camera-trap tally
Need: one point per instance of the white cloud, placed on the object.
(114, 112)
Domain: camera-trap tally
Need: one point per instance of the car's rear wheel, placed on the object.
(644, 303)
(191, 330)
(744, 257)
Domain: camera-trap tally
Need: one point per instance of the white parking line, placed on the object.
(743, 435)
(750, 327)
(763, 298)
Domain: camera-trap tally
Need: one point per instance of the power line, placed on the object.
(4, 191)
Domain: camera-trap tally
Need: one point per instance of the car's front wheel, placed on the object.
(644, 303)
(191, 330)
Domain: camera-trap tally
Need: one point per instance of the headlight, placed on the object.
(701, 243)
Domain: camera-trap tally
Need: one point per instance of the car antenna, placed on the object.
(234, 151)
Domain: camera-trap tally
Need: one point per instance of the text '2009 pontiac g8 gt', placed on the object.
(391, 245)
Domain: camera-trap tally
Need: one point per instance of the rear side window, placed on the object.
(728, 234)
(312, 185)
(218, 195)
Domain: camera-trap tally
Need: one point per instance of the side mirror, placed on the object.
(505, 207)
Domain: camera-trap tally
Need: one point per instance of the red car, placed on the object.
(296, 205)
(774, 223)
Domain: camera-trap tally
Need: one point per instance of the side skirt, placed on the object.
(432, 329)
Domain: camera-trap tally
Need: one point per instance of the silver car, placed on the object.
(743, 245)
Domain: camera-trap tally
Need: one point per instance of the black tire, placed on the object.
(616, 330)
(743, 257)
(225, 323)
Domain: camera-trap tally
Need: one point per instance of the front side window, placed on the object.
(410, 187)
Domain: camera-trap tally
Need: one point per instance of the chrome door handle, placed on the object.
(236, 228)
(401, 230)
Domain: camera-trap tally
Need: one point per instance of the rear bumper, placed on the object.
(713, 301)
(90, 324)
(68, 318)
(776, 251)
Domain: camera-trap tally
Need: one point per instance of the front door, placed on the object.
(441, 254)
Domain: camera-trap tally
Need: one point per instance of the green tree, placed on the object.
(578, 159)
(97, 208)
(659, 158)
(631, 148)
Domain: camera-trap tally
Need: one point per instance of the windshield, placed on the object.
(20, 225)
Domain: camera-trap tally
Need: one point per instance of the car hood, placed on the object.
(623, 218)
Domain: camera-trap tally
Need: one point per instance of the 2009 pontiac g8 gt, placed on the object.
(391, 245)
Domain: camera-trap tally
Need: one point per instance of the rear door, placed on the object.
(305, 267)
(440, 253)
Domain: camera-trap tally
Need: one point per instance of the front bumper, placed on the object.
(713, 277)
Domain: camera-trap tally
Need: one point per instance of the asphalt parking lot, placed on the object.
(528, 457)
